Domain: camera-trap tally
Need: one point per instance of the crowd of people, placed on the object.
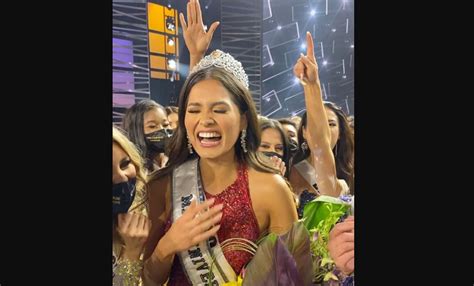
(209, 192)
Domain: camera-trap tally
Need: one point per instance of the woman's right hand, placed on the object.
(279, 164)
(194, 226)
(133, 228)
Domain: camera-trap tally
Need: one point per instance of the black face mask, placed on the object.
(122, 196)
(293, 147)
(157, 141)
(271, 154)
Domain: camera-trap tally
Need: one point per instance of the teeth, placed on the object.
(208, 134)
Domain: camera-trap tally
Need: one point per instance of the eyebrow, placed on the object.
(212, 104)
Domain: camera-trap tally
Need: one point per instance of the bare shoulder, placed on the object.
(267, 183)
(272, 193)
(269, 189)
(159, 195)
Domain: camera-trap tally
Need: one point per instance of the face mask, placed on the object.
(271, 154)
(293, 147)
(122, 196)
(157, 141)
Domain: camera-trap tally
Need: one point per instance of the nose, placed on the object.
(207, 120)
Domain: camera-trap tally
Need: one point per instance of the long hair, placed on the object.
(140, 202)
(344, 156)
(266, 123)
(133, 122)
(178, 151)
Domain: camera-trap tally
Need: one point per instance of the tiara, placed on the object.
(223, 60)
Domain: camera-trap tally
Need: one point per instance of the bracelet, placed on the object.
(129, 271)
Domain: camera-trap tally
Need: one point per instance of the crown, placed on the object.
(223, 60)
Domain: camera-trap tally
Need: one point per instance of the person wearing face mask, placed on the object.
(146, 125)
(274, 144)
(324, 162)
(130, 225)
(291, 130)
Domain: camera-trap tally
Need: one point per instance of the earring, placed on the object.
(304, 146)
(190, 147)
(242, 140)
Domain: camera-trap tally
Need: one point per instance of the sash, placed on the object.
(198, 260)
(307, 171)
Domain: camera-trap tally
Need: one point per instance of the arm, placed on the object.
(317, 133)
(281, 208)
(157, 264)
(196, 39)
(133, 228)
(186, 231)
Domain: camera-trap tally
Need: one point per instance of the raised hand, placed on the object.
(196, 38)
(134, 229)
(306, 68)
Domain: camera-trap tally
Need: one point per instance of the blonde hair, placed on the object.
(139, 204)
(132, 152)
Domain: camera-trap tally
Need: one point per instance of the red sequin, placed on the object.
(238, 220)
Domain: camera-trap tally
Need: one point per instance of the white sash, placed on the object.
(308, 172)
(198, 260)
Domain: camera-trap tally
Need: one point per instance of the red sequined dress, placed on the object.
(238, 220)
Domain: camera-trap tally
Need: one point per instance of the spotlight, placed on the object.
(170, 23)
(352, 46)
(278, 27)
(313, 12)
(296, 80)
(325, 63)
(172, 64)
(333, 30)
(303, 46)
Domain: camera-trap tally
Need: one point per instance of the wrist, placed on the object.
(312, 85)
(164, 249)
(197, 56)
(132, 255)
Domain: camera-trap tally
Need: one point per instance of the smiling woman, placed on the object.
(214, 164)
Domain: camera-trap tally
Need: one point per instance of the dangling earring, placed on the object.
(242, 140)
(190, 147)
(304, 146)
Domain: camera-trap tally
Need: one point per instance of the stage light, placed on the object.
(172, 64)
(278, 27)
(170, 23)
(313, 12)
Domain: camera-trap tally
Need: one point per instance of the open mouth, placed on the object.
(209, 139)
